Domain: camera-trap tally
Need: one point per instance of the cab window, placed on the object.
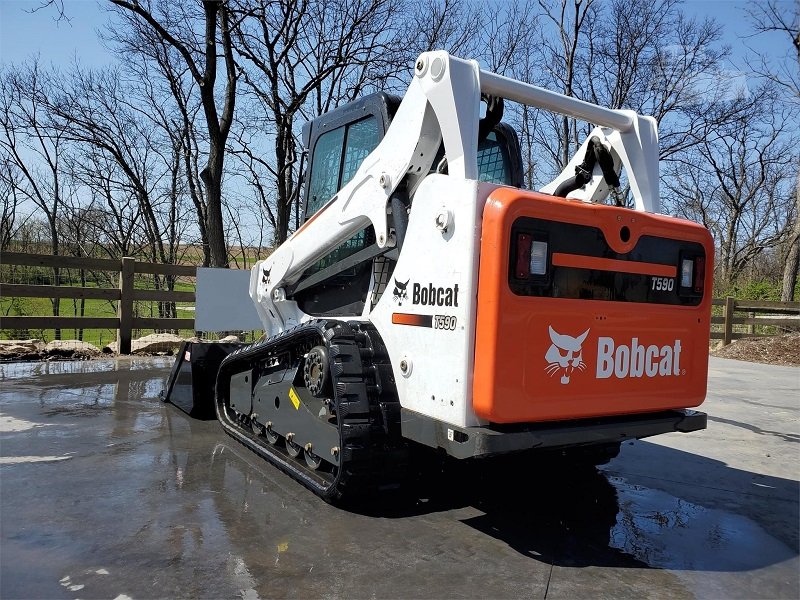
(337, 156)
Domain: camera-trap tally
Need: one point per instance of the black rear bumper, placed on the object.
(469, 442)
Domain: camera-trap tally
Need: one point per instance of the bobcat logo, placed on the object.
(565, 355)
(265, 276)
(400, 292)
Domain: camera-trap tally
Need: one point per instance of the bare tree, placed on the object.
(33, 146)
(31, 142)
(506, 34)
(643, 55)
(450, 25)
(303, 58)
(131, 164)
(173, 24)
(649, 57)
(738, 181)
(111, 219)
(567, 22)
(10, 198)
(782, 19)
(95, 110)
(166, 86)
(772, 18)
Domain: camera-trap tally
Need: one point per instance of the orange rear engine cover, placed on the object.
(609, 328)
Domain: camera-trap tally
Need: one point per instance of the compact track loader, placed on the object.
(428, 299)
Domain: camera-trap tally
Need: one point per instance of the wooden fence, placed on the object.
(755, 318)
(124, 295)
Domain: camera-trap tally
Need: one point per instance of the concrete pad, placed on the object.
(107, 492)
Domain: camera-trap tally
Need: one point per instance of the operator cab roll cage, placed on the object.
(337, 142)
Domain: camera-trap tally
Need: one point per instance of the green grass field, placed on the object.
(92, 308)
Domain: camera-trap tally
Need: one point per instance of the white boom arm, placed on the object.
(443, 104)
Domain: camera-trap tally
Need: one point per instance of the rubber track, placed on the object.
(372, 453)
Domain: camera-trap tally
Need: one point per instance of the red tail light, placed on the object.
(699, 274)
(522, 267)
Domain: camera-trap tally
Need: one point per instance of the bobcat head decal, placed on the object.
(565, 354)
(265, 276)
(400, 292)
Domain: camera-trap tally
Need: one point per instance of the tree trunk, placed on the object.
(793, 255)
(212, 180)
(284, 205)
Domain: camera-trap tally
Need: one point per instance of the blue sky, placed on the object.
(24, 34)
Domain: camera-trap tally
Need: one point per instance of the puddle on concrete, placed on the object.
(21, 370)
(667, 532)
(82, 386)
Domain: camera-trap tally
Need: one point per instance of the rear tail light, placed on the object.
(521, 270)
(687, 272)
(692, 275)
(538, 264)
(531, 257)
(699, 274)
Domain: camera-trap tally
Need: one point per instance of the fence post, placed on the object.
(730, 303)
(125, 306)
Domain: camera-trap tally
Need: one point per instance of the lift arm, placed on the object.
(443, 104)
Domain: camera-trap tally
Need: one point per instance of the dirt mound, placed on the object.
(778, 350)
(18, 350)
(70, 349)
(21, 349)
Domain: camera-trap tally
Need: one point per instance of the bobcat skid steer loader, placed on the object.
(427, 299)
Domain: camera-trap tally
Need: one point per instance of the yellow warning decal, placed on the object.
(294, 398)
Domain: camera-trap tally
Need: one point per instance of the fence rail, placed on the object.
(755, 318)
(124, 295)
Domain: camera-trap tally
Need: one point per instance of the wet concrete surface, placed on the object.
(105, 492)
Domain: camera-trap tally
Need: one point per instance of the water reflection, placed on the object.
(673, 533)
(574, 519)
(24, 370)
(77, 388)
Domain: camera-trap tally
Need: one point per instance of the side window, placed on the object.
(340, 153)
(362, 138)
(337, 155)
(326, 161)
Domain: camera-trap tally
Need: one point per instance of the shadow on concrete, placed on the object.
(786, 437)
(592, 517)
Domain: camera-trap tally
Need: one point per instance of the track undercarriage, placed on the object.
(319, 402)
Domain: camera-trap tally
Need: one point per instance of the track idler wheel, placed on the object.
(317, 371)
